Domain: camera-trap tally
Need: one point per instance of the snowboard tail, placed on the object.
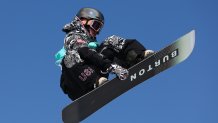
(171, 55)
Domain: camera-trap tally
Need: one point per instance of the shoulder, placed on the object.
(74, 39)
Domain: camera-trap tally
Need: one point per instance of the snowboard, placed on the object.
(147, 68)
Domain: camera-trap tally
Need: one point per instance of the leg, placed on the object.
(134, 52)
(79, 80)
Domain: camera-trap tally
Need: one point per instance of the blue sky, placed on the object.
(30, 35)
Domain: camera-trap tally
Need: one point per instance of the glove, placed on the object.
(121, 72)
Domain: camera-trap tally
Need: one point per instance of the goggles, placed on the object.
(94, 24)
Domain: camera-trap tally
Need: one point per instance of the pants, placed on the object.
(132, 53)
(78, 80)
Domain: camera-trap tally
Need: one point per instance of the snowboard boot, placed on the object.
(148, 53)
(100, 82)
(133, 58)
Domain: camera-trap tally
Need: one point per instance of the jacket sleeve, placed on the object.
(91, 56)
(107, 52)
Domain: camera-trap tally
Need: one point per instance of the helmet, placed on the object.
(90, 13)
(93, 15)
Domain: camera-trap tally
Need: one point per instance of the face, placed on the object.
(95, 26)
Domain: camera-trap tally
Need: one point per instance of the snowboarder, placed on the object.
(85, 64)
(84, 69)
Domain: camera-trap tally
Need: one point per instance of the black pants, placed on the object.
(78, 80)
(134, 52)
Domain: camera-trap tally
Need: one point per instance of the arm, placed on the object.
(78, 51)
(104, 64)
(91, 56)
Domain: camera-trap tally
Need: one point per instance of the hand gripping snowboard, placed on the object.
(149, 67)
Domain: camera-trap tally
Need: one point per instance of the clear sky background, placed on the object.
(30, 35)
